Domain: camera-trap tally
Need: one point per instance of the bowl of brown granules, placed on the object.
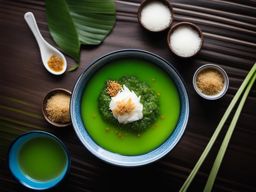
(56, 107)
(210, 81)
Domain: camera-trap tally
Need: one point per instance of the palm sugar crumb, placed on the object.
(210, 81)
(124, 107)
(57, 108)
(113, 88)
(56, 63)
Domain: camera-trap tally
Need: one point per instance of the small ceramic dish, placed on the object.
(225, 78)
(24, 178)
(189, 25)
(145, 3)
(48, 95)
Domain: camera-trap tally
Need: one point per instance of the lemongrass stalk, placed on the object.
(224, 145)
(218, 129)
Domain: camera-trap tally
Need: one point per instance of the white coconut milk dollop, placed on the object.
(129, 99)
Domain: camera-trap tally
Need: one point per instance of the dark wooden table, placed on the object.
(229, 28)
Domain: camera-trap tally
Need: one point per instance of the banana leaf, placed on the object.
(73, 23)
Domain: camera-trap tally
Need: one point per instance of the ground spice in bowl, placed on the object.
(210, 81)
(56, 107)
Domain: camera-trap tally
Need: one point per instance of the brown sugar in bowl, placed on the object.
(212, 93)
(44, 111)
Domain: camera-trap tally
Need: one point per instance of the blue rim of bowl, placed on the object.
(114, 158)
(40, 185)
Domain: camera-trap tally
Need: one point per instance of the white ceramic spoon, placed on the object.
(46, 49)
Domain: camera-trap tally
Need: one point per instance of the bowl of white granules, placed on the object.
(185, 39)
(155, 15)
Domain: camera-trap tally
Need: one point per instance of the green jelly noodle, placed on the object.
(149, 100)
(42, 158)
(109, 135)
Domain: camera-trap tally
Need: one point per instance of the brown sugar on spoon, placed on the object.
(56, 63)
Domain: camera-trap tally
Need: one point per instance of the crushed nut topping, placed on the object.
(113, 88)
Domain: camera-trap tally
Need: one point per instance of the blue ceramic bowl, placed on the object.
(17, 171)
(117, 159)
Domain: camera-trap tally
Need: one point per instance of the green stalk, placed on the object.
(218, 129)
(224, 145)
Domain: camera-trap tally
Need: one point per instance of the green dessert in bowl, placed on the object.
(129, 108)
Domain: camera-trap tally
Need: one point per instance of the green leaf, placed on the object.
(73, 67)
(76, 22)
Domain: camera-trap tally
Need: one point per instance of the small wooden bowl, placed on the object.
(144, 3)
(48, 95)
(188, 24)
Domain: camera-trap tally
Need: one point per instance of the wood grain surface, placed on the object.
(229, 29)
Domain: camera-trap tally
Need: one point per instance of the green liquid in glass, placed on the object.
(120, 141)
(42, 158)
